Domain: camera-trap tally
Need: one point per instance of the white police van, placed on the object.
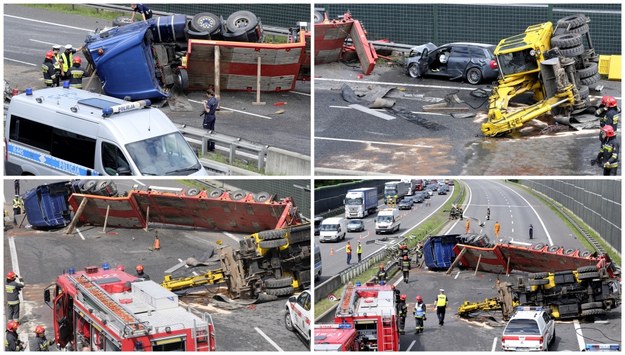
(66, 131)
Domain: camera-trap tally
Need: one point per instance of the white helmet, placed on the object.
(68, 46)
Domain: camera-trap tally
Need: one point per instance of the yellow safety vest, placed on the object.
(441, 301)
(359, 249)
(348, 249)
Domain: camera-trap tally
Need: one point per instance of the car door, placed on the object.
(302, 313)
(550, 326)
(458, 60)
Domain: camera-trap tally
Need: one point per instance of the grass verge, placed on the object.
(81, 10)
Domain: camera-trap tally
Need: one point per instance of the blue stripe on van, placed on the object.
(49, 161)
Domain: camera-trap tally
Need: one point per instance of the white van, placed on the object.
(387, 221)
(333, 229)
(66, 131)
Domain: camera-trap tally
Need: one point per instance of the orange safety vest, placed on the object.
(348, 249)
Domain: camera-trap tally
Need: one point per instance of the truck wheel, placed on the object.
(538, 246)
(271, 234)
(573, 51)
(121, 21)
(588, 275)
(182, 79)
(474, 76)
(591, 79)
(553, 249)
(570, 251)
(580, 30)
(568, 40)
(241, 20)
(205, 22)
(275, 243)
(593, 312)
(262, 197)
(284, 291)
(279, 283)
(216, 193)
(318, 17)
(573, 21)
(192, 192)
(538, 275)
(591, 305)
(585, 253)
(590, 70)
(106, 188)
(88, 186)
(238, 195)
(413, 71)
(288, 322)
(589, 268)
(584, 92)
(538, 282)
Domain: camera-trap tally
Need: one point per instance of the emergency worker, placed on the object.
(348, 252)
(531, 231)
(608, 112)
(441, 305)
(467, 226)
(11, 341)
(12, 288)
(359, 251)
(488, 213)
(140, 273)
(405, 268)
(403, 311)
(608, 154)
(41, 342)
(497, 229)
(419, 314)
(145, 12)
(75, 74)
(18, 207)
(381, 274)
(66, 59)
(47, 68)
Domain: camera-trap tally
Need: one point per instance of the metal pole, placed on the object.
(478, 265)
(106, 218)
(81, 208)
(147, 218)
(217, 73)
(258, 71)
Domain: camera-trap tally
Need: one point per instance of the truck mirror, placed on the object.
(292, 299)
(46, 295)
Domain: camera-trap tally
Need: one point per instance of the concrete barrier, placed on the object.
(284, 162)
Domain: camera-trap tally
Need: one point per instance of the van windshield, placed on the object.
(386, 219)
(329, 227)
(169, 154)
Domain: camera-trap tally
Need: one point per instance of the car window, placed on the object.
(460, 52)
(304, 301)
(546, 318)
(522, 326)
(477, 53)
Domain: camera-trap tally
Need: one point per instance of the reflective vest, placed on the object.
(12, 289)
(382, 275)
(405, 265)
(57, 61)
(441, 301)
(67, 60)
(75, 77)
(348, 249)
(403, 310)
(12, 342)
(419, 310)
(42, 343)
(359, 249)
(49, 74)
(611, 117)
(17, 203)
(609, 154)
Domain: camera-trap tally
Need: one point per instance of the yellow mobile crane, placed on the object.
(552, 65)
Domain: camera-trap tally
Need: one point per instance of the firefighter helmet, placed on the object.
(12, 325)
(40, 329)
(610, 101)
(77, 60)
(49, 55)
(604, 100)
(11, 276)
(402, 297)
(607, 131)
(139, 268)
(419, 298)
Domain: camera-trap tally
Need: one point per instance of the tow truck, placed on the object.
(553, 64)
(369, 312)
(104, 309)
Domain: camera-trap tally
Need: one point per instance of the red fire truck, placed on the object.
(104, 309)
(367, 310)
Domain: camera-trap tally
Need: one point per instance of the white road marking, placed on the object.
(542, 223)
(300, 93)
(195, 273)
(43, 42)
(458, 274)
(185, 263)
(580, 337)
(233, 110)
(231, 236)
(49, 23)
(396, 84)
(511, 222)
(468, 204)
(411, 345)
(268, 339)
(19, 61)
(80, 234)
(512, 230)
(373, 142)
(494, 344)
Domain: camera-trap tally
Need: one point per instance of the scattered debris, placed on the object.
(372, 112)
(463, 115)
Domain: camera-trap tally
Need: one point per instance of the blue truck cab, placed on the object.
(139, 60)
(46, 205)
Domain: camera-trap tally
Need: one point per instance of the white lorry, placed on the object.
(333, 229)
(361, 202)
(387, 220)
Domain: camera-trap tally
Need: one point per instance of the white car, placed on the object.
(297, 316)
(530, 328)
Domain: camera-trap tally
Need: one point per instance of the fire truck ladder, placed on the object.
(388, 333)
(100, 299)
(346, 307)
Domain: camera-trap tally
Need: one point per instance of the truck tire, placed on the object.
(318, 17)
(192, 192)
(121, 21)
(591, 79)
(474, 76)
(588, 275)
(572, 52)
(593, 312)
(538, 275)
(584, 92)
(279, 283)
(591, 305)
(538, 282)
(567, 40)
(538, 246)
(580, 30)
(271, 234)
(262, 197)
(238, 195)
(590, 70)
(553, 249)
(216, 193)
(570, 251)
(182, 79)
(241, 20)
(275, 243)
(284, 291)
(106, 188)
(573, 21)
(205, 22)
(288, 321)
(589, 268)
(585, 254)
(88, 186)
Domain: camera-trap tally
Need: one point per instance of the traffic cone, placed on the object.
(157, 243)
(331, 251)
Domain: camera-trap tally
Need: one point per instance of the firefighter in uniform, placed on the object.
(49, 73)
(41, 342)
(608, 112)
(405, 268)
(397, 294)
(13, 287)
(18, 207)
(403, 311)
(419, 314)
(381, 275)
(441, 304)
(66, 59)
(11, 341)
(608, 155)
(140, 273)
(75, 74)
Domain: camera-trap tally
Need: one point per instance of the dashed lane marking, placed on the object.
(580, 337)
(80, 234)
(494, 344)
(268, 339)
(411, 345)
(49, 23)
(19, 61)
